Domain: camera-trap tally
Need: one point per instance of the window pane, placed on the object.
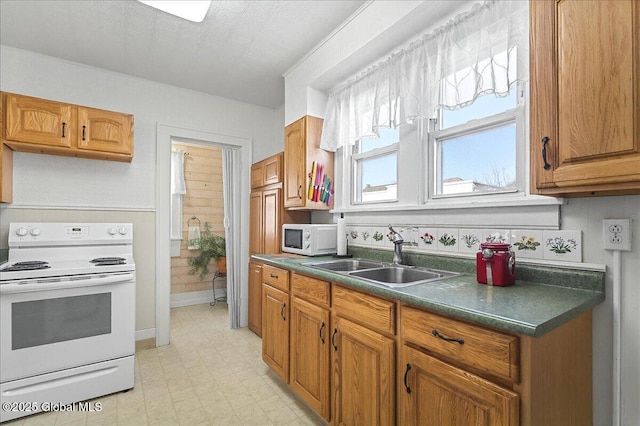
(387, 137)
(484, 106)
(483, 161)
(378, 178)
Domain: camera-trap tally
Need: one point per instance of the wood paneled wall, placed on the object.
(204, 199)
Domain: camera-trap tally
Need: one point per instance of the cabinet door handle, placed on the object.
(322, 328)
(448, 339)
(333, 339)
(406, 373)
(273, 276)
(83, 129)
(64, 125)
(545, 141)
(300, 191)
(284, 305)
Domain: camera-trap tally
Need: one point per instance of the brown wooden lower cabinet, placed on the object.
(437, 393)
(309, 355)
(275, 330)
(387, 365)
(363, 385)
(255, 297)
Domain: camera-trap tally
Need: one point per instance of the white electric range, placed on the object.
(67, 315)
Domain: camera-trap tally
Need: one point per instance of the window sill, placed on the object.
(448, 204)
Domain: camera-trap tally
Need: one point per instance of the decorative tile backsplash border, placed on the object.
(527, 244)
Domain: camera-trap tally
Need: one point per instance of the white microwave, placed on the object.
(309, 239)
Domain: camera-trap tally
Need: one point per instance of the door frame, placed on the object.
(163, 221)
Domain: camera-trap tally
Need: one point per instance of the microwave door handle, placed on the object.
(66, 284)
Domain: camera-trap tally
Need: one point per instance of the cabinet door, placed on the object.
(257, 172)
(105, 131)
(255, 223)
(272, 169)
(275, 330)
(255, 297)
(310, 354)
(6, 174)
(436, 393)
(271, 221)
(364, 375)
(294, 164)
(585, 96)
(38, 121)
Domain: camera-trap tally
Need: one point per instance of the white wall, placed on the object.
(377, 30)
(101, 190)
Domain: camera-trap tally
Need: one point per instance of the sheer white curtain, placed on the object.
(178, 188)
(231, 186)
(474, 54)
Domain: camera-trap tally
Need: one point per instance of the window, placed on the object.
(375, 167)
(476, 149)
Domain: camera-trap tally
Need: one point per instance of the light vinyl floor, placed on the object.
(208, 375)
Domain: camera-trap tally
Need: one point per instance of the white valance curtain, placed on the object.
(474, 54)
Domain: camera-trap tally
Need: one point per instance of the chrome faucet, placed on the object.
(397, 243)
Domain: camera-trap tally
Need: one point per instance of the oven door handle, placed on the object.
(53, 284)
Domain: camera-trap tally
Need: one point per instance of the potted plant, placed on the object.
(211, 247)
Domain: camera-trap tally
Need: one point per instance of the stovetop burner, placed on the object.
(27, 266)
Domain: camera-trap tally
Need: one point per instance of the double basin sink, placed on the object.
(386, 274)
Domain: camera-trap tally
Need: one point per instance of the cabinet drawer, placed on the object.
(374, 312)
(310, 289)
(276, 277)
(485, 351)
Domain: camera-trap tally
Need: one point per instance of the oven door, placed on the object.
(52, 326)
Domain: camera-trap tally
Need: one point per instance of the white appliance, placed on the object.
(309, 239)
(67, 315)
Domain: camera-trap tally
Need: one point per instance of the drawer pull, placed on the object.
(322, 328)
(406, 372)
(83, 129)
(273, 276)
(284, 305)
(63, 127)
(448, 339)
(333, 339)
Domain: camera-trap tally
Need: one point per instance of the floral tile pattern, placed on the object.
(448, 239)
(427, 238)
(470, 240)
(563, 245)
(527, 244)
(495, 236)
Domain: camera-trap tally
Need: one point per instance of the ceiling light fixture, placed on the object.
(193, 11)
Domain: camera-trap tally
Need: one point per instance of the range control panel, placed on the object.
(49, 234)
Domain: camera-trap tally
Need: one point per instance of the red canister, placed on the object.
(496, 264)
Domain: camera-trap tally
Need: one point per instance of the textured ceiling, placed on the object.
(239, 51)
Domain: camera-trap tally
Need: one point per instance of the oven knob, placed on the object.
(307, 234)
(307, 244)
(112, 231)
(35, 232)
(123, 230)
(21, 232)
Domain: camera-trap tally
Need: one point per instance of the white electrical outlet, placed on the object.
(616, 234)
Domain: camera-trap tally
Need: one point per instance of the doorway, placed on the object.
(236, 153)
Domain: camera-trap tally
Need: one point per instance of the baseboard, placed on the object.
(147, 333)
(191, 298)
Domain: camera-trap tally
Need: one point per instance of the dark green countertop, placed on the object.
(530, 307)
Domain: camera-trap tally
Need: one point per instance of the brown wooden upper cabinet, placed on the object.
(301, 152)
(267, 171)
(51, 127)
(585, 97)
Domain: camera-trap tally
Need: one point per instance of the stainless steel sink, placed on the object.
(399, 276)
(380, 273)
(345, 265)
